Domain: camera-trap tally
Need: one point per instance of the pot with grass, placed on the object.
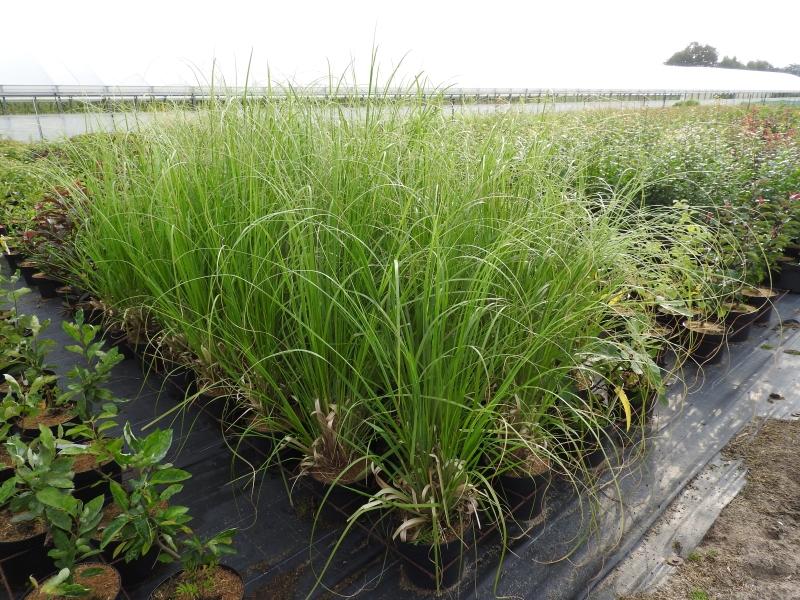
(523, 487)
(704, 341)
(763, 299)
(436, 524)
(739, 318)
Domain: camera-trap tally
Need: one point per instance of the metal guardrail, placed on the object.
(62, 93)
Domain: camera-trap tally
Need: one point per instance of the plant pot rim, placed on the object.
(736, 307)
(711, 328)
(760, 291)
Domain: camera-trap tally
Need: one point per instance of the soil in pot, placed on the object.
(51, 417)
(224, 583)
(91, 479)
(705, 341)
(419, 562)
(105, 585)
(16, 537)
(762, 298)
(739, 321)
(47, 285)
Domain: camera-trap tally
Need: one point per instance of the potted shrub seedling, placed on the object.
(39, 471)
(142, 523)
(30, 354)
(33, 406)
(94, 405)
(141, 512)
(72, 527)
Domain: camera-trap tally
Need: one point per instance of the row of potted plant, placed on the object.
(71, 485)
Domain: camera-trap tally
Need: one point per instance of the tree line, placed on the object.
(700, 55)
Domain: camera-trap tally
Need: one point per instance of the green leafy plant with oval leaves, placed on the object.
(146, 520)
(72, 532)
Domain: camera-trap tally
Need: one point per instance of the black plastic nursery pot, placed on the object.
(524, 496)
(136, 570)
(70, 294)
(642, 410)
(47, 286)
(116, 338)
(739, 321)
(104, 586)
(789, 278)
(14, 259)
(92, 314)
(24, 556)
(705, 341)
(668, 320)
(792, 250)
(93, 482)
(419, 562)
(28, 269)
(343, 496)
(6, 473)
(763, 299)
(163, 591)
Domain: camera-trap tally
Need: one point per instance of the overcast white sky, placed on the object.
(487, 44)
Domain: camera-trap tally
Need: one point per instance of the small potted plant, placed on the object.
(141, 510)
(95, 408)
(13, 257)
(72, 525)
(31, 352)
(39, 472)
(202, 577)
(33, 406)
